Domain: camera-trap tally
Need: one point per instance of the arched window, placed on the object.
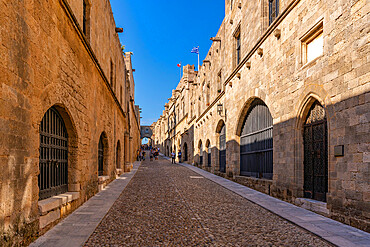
(101, 150)
(53, 164)
(315, 153)
(118, 155)
(222, 152)
(256, 142)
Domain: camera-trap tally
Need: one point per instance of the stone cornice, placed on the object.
(211, 105)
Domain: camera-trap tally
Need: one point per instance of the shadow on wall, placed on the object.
(295, 141)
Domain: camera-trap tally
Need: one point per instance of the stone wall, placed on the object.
(273, 69)
(47, 61)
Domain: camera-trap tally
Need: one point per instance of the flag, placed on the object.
(195, 50)
(179, 65)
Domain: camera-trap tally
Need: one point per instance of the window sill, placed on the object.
(311, 63)
(56, 202)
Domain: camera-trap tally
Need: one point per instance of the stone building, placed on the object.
(281, 104)
(68, 122)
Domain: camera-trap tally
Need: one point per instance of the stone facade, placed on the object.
(257, 59)
(63, 55)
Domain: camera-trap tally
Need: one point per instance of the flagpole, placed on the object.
(180, 70)
(198, 60)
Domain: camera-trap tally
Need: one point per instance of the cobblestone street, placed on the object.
(170, 205)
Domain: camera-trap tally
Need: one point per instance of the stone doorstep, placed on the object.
(49, 218)
(102, 179)
(313, 205)
(56, 202)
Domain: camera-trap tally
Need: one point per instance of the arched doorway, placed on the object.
(102, 153)
(118, 155)
(222, 152)
(256, 143)
(200, 152)
(209, 159)
(53, 163)
(185, 151)
(315, 153)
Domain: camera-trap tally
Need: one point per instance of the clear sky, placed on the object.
(161, 34)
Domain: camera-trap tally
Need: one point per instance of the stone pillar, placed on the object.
(127, 154)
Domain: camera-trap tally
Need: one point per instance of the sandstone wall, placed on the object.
(273, 69)
(46, 61)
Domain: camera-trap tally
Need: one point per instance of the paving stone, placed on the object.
(164, 206)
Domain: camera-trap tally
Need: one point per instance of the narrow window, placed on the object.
(86, 19)
(237, 39)
(219, 80)
(111, 73)
(208, 89)
(120, 93)
(273, 10)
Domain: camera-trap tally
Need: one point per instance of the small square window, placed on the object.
(313, 44)
(315, 48)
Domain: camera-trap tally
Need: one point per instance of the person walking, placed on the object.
(179, 156)
(173, 156)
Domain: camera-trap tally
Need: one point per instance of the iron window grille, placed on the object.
(53, 163)
(256, 142)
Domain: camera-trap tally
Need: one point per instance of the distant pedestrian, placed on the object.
(173, 156)
(143, 155)
(179, 154)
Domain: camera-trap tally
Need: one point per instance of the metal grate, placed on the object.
(53, 164)
(315, 154)
(222, 154)
(256, 143)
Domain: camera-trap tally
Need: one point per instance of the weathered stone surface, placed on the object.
(47, 61)
(49, 218)
(338, 79)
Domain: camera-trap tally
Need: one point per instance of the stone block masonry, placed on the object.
(272, 119)
(65, 87)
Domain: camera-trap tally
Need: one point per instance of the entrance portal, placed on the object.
(315, 154)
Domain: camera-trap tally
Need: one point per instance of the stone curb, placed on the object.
(76, 229)
(330, 230)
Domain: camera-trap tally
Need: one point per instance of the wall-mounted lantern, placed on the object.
(219, 109)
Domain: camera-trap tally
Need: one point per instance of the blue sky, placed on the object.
(161, 34)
